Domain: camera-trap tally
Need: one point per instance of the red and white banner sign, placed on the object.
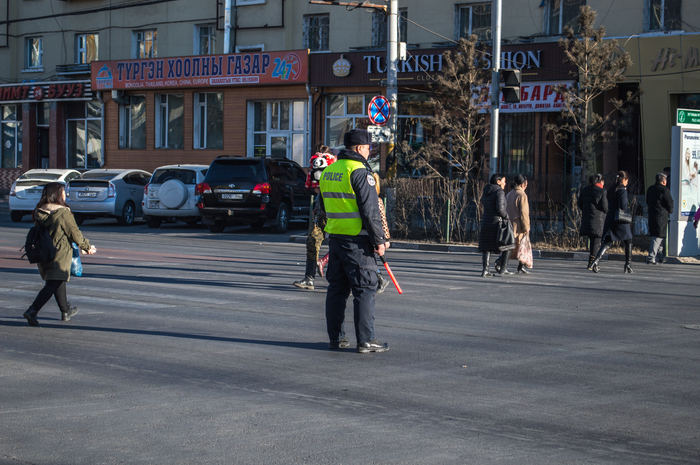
(534, 97)
(202, 71)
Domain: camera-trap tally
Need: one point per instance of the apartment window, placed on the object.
(473, 19)
(278, 129)
(316, 32)
(662, 15)
(170, 121)
(209, 120)
(205, 40)
(11, 136)
(132, 123)
(86, 48)
(145, 44)
(250, 48)
(560, 14)
(379, 27)
(84, 135)
(34, 52)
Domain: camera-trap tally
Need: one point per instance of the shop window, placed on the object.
(316, 32)
(517, 143)
(86, 48)
(473, 19)
(662, 15)
(379, 27)
(343, 113)
(209, 120)
(43, 118)
(205, 40)
(84, 135)
(170, 121)
(145, 44)
(414, 126)
(34, 53)
(11, 136)
(278, 129)
(132, 123)
(560, 14)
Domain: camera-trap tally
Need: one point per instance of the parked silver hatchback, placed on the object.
(107, 193)
(170, 194)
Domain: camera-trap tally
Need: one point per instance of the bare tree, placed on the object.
(599, 67)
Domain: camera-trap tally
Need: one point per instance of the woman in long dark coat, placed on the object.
(614, 231)
(593, 203)
(494, 200)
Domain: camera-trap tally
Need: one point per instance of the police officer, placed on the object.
(356, 234)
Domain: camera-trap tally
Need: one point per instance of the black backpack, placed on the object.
(39, 247)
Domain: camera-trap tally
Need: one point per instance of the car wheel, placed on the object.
(282, 219)
(217, 227)
(128, 215)
(153, 222)
(16, 216)
(78, 218)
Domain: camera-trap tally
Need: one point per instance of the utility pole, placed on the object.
(495, 87)
(392, 52)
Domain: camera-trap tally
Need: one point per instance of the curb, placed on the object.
(581, 256)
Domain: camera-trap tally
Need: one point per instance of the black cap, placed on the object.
(357, 137)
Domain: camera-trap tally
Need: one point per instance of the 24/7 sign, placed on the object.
(379, 110)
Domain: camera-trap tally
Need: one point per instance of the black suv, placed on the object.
(256, 191)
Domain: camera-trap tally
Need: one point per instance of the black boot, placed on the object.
(503, 261)
(31, 316)
(381, 283)
(485, 259)
(308, 281)
(591, 259)
(522, 269)
(594, 266)
(628, 258)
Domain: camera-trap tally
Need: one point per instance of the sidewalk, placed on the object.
(583, 256)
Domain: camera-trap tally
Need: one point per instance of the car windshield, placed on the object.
(100, 175)
(39, 177)
(186, 176)
(238, 169)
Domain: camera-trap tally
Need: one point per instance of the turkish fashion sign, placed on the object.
(202, 71)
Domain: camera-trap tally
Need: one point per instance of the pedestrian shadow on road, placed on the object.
(15, 321)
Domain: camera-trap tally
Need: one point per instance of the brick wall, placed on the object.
(7, 177)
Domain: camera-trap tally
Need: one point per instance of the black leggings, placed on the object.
(628, 248)
(56, 288)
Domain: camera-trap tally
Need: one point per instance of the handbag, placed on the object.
(623, 216)
(525, 252)
(505, 238)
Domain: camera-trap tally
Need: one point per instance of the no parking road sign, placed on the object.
(379, 110)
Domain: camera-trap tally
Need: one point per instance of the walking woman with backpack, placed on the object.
(53, 214)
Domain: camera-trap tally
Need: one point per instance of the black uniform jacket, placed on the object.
(660, 205)
(494, 200)
(593, 203)
(367, 202)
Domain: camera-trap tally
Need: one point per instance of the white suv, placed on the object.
(170, 194)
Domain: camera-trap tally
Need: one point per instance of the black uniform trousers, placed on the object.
(351, 268)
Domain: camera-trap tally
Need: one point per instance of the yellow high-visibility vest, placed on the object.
(339, 198)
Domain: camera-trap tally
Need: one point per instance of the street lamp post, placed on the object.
(391, 70)
(495, 88)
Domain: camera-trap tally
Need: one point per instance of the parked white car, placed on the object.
(107, 193)
(170, 194)
(26, 190)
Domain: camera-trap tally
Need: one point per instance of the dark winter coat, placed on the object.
(660, 205)
(593, 203)
(617, 231)
(59, 221)
(494, 200)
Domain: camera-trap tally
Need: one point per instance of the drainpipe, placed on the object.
(102, 126)
(309, 122)
(228, 12)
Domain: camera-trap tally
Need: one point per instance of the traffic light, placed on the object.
(511, 88)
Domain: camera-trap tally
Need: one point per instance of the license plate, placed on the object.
(87, 194)
(33, 191)
(152, 204)
(232, 196)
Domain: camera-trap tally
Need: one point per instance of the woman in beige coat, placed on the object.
(52, 213)
(518, 211)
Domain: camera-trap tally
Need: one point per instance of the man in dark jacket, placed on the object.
(594, 206)
(355, 228)
(660, 204)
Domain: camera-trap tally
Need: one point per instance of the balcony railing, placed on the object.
(77, 68)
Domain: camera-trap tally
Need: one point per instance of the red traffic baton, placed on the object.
(391, 275)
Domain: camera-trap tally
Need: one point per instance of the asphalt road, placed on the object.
(193, 347)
